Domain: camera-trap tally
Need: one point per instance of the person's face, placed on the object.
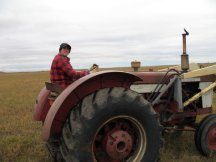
(65, 51)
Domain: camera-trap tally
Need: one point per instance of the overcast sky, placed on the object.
(111, 33)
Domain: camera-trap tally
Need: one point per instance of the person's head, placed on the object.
(64, 49)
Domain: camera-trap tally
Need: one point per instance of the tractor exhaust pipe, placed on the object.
(184, 56)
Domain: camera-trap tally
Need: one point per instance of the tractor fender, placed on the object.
(40, 104)
(75, 92)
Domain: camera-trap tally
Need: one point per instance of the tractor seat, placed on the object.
(55, 90)
(53, 87)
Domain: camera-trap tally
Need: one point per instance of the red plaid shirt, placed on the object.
(62, 73)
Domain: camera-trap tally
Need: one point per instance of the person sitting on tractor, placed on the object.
(62, 72)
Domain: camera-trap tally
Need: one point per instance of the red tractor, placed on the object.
(114, 116)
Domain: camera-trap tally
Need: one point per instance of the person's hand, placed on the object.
(94, 68)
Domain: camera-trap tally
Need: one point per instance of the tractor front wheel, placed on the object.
(205, 136)
(111, 125)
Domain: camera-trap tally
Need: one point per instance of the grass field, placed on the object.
(20, 136)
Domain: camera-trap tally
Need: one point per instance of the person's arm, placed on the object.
(69, 71)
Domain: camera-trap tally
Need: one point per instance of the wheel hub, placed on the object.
(119, 139)
(212, 138)
(118, 144)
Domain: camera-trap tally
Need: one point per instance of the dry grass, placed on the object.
(20, 136)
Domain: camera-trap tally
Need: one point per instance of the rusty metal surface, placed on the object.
(208, 78)
(199, 111)
(211, 138)
(118, 144)
(118, 139)
(179, 117)
(40, 104)
(151, 77)
(75, 92)
(184, 56)
(172, 81)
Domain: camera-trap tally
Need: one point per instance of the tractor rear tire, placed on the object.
(112, 124)
(205, 136)
(53, 148)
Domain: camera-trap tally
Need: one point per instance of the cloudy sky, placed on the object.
(111, 33)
